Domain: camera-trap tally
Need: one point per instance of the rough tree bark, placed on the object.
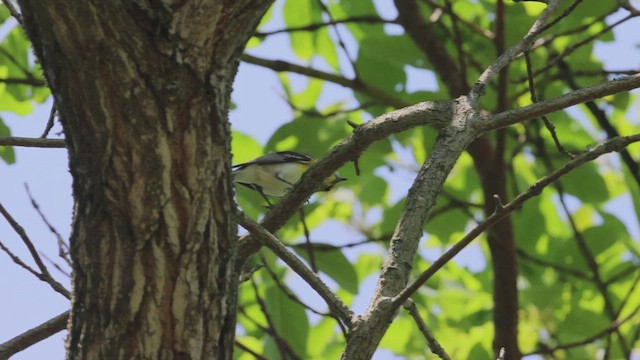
(143, 91)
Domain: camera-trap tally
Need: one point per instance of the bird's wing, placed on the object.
(280, 157)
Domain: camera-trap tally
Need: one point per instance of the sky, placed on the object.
(260, 111)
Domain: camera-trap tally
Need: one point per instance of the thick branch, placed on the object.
(451, 142)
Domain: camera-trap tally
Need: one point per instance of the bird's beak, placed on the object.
(337, 179)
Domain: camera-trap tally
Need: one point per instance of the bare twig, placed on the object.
(32, 142)
(52, 116)
(63, 248)
(33, 336)
(44, 274)
(434, 345)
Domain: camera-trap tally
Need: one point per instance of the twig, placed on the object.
(557, 267)
(33, 336)
(535, 189)
(307, 238)
(44, 274)
(63, 248)
(32, 142)
(13, 11)
(281, 343)
(357, 85)
(24, 81)
(340, 41)
(270, 241)
(52, 116)
(434, 345)
(288, 291)
(367, 19)
(534, 99)
(244, 348)
(507, 57)
(603, 121)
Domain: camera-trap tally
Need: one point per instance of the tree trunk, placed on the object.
(143, 91)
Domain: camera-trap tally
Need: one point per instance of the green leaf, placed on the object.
(289, 319)
(6, 152)
(587, 184)
(335, 265)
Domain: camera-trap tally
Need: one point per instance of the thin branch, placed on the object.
(532, 111)
(33, 336)
(573, 47)
(339, 37)
(434, 345)
(557, 267)
(307, 238)
(32, 142)
(63, 248)
(24, 81)
(603, 121)
(13, 11)
(535, 189)
(244, 348)
(281, 343)
(52, 115)
(469, 24)
(366, 19)
(356, 85)
(534, 99)
(270, 241)
(508, 56)
(288, 291)
(44, 274)
(615, 325)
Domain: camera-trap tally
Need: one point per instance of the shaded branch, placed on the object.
(434, 345)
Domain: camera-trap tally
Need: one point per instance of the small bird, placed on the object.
(273, 174)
